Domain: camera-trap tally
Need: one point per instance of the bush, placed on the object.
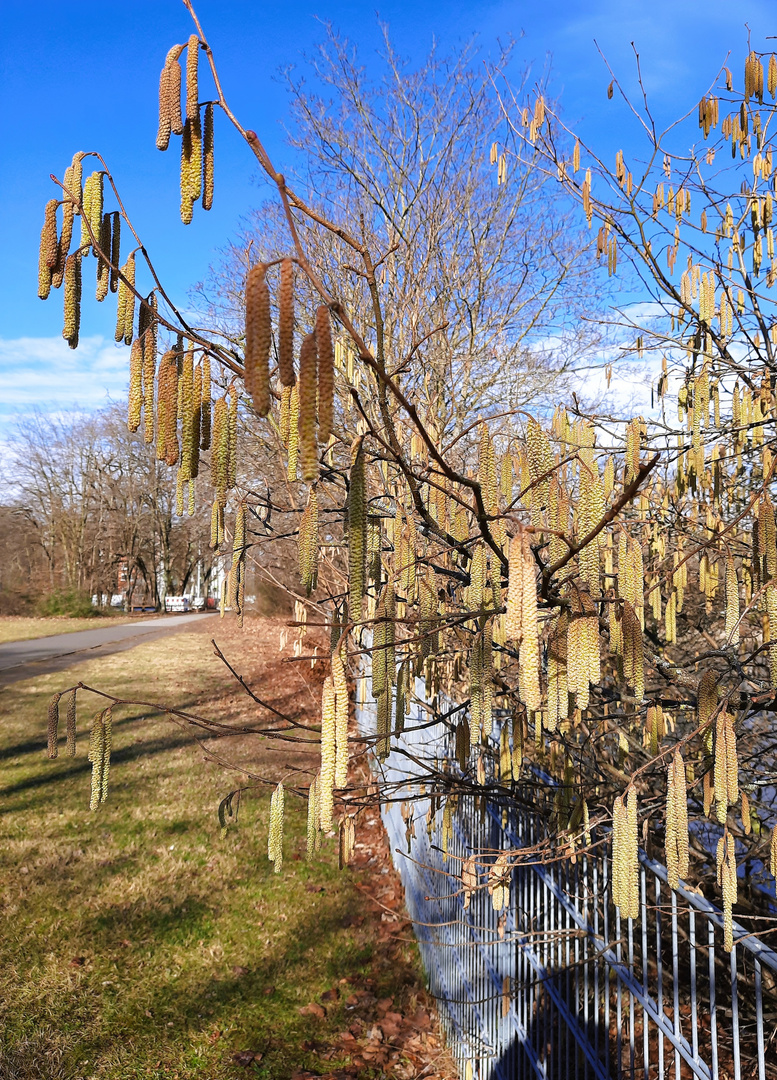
(71, 602)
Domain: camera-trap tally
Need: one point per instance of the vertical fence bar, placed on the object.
(659, 981)
(645, 1021)
(675, 985)
(759, 1021)
(735, 1014)
(713, 998)
(694, 1017)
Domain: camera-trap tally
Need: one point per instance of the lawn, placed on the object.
(23, 627)
(141, 942)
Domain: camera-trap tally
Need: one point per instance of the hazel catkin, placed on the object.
(207, 157)
(326, 373)
(286, 324)
(308, 448)
(72, 297)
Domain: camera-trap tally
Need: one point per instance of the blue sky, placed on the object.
(84, 76)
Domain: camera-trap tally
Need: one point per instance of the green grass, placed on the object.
(140, 942)
(23, 627)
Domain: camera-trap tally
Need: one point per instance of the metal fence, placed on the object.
(558, 985)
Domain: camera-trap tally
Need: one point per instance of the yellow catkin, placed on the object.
(676, 821)
(732, 603)
(275, 835)
(499, 876)
(727, 879)
(72, 297)
(326, 373)
(107, 722)
(293, 432)
(232, 436)
(625, 856)
(308, 446)
(53, 725)
(205, 415)
(312, 822)
(529, 678)
(773, 853)
(192, 87)
(328, 754)
(135, 400)
(258, 338)
(340, 684)
(514, 616)
(357, 530)
(125, 307)
(726, 766)
(167, 408)
(286, 324)
(308, 543)
(207, 157)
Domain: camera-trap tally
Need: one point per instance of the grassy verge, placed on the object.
(23, 628)
(140, 942)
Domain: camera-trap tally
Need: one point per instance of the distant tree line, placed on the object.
(89, 510)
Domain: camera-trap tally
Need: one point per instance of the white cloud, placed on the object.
(44, 373)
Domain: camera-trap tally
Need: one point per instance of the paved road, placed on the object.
(40, 656)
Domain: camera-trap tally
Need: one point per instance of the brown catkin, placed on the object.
(326, 373)
(165, 126)
(170, 118)
(207, 157)
(48, 249)
(70, 719)
(115, 250)
(72, 320)
(53, 725)
(192, 87)
(258, 339)
(104, 264)
(286, 324)
(308, 448)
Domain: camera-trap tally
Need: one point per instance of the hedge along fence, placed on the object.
(535, 970)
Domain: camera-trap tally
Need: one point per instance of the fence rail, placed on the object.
(557, 985)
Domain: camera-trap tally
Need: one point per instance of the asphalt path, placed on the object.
(40, 656)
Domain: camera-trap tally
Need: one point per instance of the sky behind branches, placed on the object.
(83, 76)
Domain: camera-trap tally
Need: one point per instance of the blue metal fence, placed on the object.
(557, 985)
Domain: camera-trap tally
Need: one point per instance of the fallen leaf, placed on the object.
(247, 1057)
(239, 971)
(313, 1009)
(330, 995)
